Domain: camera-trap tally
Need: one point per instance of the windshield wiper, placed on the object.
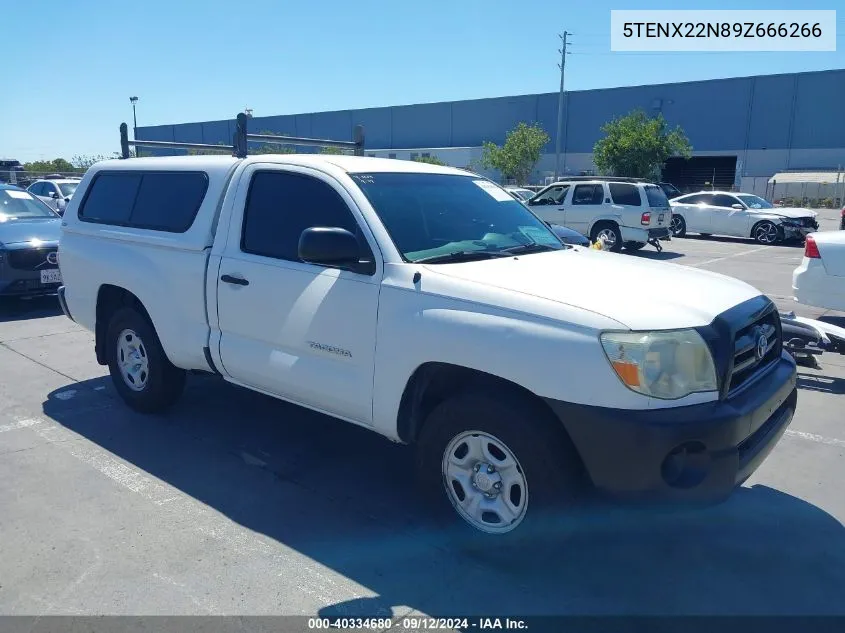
(532, 247)
(461, 256)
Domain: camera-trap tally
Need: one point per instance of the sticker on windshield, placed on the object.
(18, 194)
(497, 193)
(538, 235)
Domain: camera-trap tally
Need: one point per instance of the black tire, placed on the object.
(552, 469)
(164, 382)
(611, 227)
(634, 246)
(767, 233)
(678, 226)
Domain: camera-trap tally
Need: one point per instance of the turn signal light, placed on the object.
(811, 249)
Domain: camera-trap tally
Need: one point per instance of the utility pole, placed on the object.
(562, 65)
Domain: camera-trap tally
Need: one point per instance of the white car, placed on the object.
(739, 215)
(424, 303)
(56, 193)
(820, 279)
(621, 212)
(520, 192)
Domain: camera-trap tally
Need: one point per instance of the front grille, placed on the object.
(807, 223)
(750, 355)
(31, 258)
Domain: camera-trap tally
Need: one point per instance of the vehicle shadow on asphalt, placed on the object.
(794, 243)
(18, 309)
(662, 256)
(345, 498)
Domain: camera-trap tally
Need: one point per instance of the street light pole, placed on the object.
(563, 53)
(133, 101)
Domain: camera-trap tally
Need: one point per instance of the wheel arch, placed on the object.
(434, 382)
(111, 298)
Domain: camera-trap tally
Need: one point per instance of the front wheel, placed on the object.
(498, 466)
(767, 233)
(142, 374)
(678, 226)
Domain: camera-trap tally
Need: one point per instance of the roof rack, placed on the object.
(607, 178)
(241, 138)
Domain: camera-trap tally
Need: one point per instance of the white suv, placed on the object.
(622, 211)
(424, 303)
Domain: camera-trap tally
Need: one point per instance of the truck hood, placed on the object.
(642, 294)
(787, 212)
(27, 230)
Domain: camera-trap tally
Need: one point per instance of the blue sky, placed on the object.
(67, 87)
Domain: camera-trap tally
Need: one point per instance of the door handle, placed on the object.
(238, 281)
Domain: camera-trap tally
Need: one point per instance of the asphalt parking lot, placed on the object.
(235, 503)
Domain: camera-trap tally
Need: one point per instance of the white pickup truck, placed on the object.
(426, 304)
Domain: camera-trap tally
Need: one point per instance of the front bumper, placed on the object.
(26, 285)
(697, 453)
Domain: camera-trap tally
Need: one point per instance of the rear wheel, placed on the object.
(608, 232)
(678, 226)
(767, 233)
(497, 468)
(142, 374)
(634, 246)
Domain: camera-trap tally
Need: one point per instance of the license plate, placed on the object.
(660, 218)
(51, 276)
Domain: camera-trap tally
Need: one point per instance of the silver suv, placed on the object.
(624, 212)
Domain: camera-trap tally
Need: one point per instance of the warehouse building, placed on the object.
(743, 130)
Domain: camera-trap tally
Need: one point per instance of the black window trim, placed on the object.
(142, 173)
(368, 267)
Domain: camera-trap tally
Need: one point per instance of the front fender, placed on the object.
(553, 360)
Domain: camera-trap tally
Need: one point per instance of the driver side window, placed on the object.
(555, 195)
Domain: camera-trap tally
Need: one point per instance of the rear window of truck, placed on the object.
(159, 201)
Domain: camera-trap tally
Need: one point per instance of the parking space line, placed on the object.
(718, 259)
(19, 424)
(812, 437)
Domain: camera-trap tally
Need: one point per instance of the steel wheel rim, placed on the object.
(766, 233)
(132, 360)
(485, 482)
(676, 224)
(609, 237)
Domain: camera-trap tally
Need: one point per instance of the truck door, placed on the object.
(300, 331)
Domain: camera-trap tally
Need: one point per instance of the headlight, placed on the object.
(666, 365)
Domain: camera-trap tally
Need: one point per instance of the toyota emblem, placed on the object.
(53, 259)
(762, 346)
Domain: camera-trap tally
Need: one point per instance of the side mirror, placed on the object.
(329, 246)
(54, 195)
(736, 205)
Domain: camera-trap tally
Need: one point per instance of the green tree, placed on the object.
(55, 165)
(520, 153)
(637, 146)
(337, 151)
(431, 160)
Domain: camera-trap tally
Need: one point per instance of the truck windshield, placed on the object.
(16, 204)
(432, 215)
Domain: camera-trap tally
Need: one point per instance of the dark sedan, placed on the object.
(29, 243)
(568, 236)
